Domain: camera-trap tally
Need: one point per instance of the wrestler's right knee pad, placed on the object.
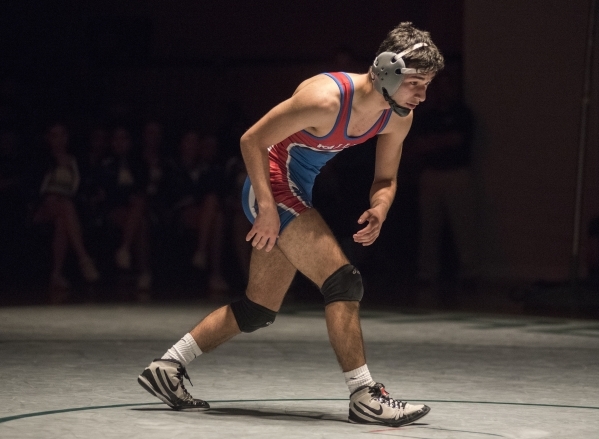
(345, 284)
(251, 316)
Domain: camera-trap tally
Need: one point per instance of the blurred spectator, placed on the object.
(93, 154)
(442, 134)
(123, 184)
(152, 151)
(234, 123)
(195, 184)
(238, 225)
(58, 189)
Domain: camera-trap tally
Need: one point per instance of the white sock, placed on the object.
(357, 378)
(184, 350)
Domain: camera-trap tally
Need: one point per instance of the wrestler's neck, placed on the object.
(366, 98)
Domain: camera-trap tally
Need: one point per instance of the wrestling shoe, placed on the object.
(373, 405)
(164, 379)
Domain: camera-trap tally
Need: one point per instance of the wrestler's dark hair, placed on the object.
(404, 35)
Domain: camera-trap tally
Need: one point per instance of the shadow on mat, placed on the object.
(276, 414)
(255, 413)
(287, 415)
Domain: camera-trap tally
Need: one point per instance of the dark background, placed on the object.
(204, 62)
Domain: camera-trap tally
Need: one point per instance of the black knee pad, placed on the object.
(343, 285)
(250, 316)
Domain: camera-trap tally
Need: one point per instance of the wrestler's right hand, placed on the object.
(265, 231)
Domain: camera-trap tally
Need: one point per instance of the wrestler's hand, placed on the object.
(368, 234)
(265, 231)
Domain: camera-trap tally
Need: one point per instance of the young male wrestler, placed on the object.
(283, 153)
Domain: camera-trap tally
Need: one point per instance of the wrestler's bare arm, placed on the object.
(382, 192)
(313, 106)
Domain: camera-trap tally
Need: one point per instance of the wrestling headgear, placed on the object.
(388, 72)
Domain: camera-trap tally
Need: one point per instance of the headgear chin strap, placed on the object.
(388, 72)
(397, 109)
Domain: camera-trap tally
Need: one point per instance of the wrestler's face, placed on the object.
(412, 90)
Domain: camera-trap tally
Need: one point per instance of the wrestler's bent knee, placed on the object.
(345, 284)
(251, 316)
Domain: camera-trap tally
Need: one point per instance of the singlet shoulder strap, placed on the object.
(346, 87)
(382, 122)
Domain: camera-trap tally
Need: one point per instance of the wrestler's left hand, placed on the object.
(371, 232)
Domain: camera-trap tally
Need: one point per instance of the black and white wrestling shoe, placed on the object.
(164, 379)
(373, 405)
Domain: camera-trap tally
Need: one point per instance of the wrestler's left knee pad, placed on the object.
(345, 284)
(251, 316)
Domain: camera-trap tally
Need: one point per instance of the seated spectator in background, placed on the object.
(152, 155)
(235, 174)
(98, 146)
(58, 189)
(93, 154)
(195, 183)
(234, 123)
(122, 184)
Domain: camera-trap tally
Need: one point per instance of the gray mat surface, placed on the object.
(70, 372)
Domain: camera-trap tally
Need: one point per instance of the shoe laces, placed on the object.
(380, 394)
(182, 373)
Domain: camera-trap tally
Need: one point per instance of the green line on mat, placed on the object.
(78, 409)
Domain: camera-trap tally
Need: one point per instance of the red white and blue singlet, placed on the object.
(296, 161)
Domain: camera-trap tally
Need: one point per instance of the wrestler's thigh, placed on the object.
(311, 247)
(270, 276)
